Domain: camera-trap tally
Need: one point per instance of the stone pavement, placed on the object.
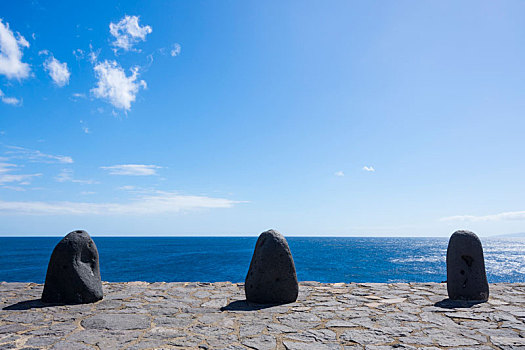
(139, 315)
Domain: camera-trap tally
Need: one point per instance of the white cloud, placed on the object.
(84, 127)
(150, 60)
(128, 32)
(7, 177)
(172, 50)
(77, 96)
(93, 55)
(11, 64)
(14, 188)
(505, 216)
(66, 175)
(113, 84)
(339, 173)
(79, 54)
(5, 167)
(13, 101)
(175, 51)
(127, 188)
(36, 156)
(132, 169)
(156, 203)
(23, 179)
(369, 168)
(57, 71)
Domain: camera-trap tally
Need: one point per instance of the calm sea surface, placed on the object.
(211, 259)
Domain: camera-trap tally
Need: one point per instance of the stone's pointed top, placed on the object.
(465, 233)
(271, 278)
(77, 235)
(274, 233)
(73, 273)
(466, 276)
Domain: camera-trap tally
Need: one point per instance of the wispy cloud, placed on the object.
(79, 54)
(127, 32)
(175, 50)
(11, 64)
(158, 203)
(14, 188)
(93, 54)
(84, 127)
(22, 179)
(369, 168)
(7, 177)
(132, 169)
(78, 95)
(339, 173)
(127, 188)
(36, 156)
(13, 101)
(505, 216)
(66, 175)
(115, 86)
(57, 70)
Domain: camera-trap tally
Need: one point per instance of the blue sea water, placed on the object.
(211, 259)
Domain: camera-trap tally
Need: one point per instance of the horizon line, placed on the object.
(250, 236)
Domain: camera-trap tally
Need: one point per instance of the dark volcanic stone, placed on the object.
(271, 278)
(73, 273)
(466, 277)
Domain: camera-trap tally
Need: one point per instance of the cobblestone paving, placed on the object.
(139, 315)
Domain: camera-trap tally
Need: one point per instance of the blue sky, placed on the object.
(229, 118)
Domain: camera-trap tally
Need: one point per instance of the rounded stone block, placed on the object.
(466, 276)
(271, 278)
(73, 273)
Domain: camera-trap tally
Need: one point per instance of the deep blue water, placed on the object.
(211, 259)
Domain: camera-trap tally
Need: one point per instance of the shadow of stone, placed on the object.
(29, 304)
(456, 304)
(244, 305)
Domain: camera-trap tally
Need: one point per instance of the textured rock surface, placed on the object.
(73, 273)
(466, 277)
(365, 316)
(271, 278)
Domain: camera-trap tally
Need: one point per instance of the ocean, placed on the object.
(212, 259)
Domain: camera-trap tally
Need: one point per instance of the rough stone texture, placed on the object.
(466, 277)
(73, 273)
(271, 278)
(375, 316)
